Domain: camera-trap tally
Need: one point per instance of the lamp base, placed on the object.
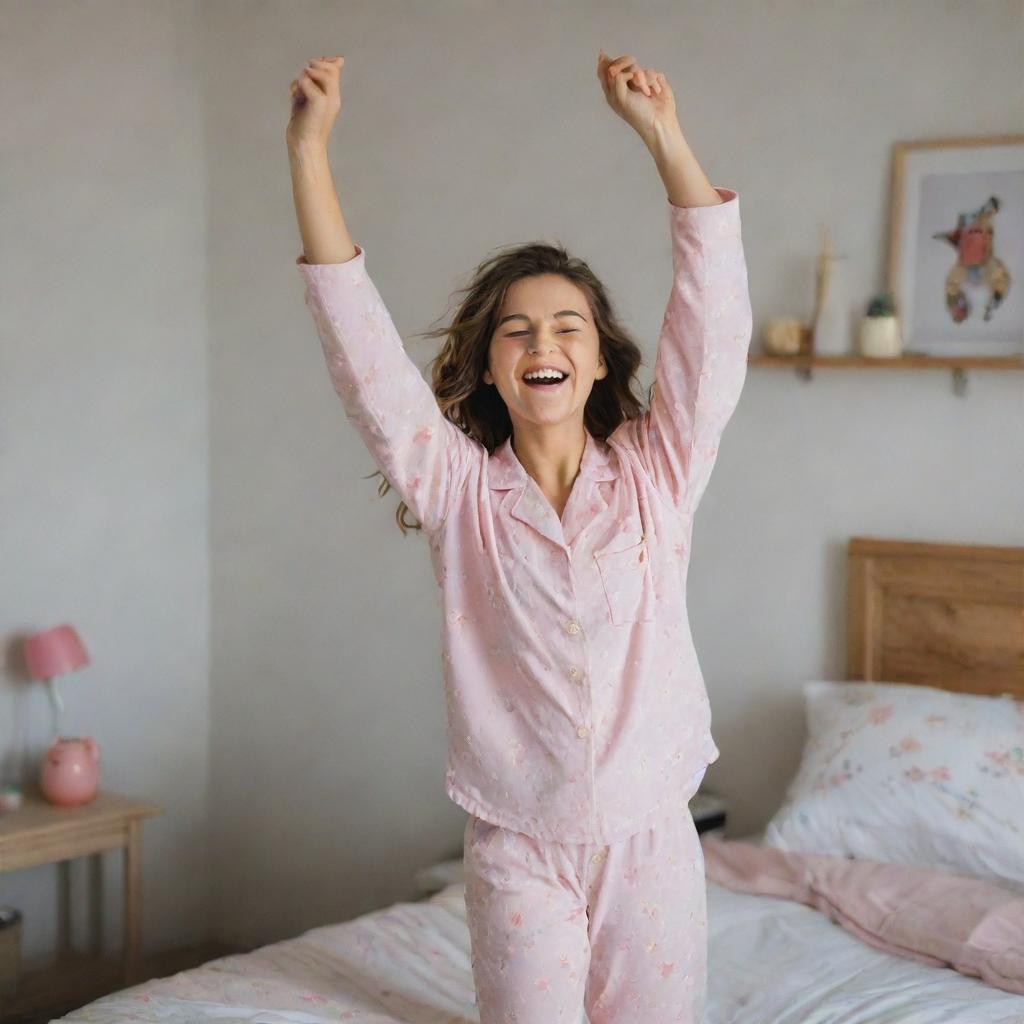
(70, 771)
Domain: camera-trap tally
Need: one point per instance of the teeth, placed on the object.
(544, 374)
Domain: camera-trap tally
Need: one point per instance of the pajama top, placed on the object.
(576, 707)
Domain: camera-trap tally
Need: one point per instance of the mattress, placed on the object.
(771, 961)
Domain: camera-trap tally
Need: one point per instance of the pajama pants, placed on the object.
(618, 930)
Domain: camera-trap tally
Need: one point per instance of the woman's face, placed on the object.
(544, 321)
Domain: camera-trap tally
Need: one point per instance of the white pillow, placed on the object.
(909, 774)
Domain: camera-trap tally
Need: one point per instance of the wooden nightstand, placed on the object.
(709, 812)
(40, 833)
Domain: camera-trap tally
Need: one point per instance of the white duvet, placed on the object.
(771, 961)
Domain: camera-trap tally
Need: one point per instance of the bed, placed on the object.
(938, 615)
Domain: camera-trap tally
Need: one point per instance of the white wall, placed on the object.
(465, 127)
(103, 429)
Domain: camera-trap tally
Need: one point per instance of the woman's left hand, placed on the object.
(640, 96)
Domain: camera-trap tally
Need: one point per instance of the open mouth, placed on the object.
(546, 382)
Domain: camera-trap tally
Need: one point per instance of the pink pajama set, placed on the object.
(578, 720)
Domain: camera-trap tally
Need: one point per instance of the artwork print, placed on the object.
(960, 258)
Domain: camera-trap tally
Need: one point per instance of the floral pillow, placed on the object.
(909, 774)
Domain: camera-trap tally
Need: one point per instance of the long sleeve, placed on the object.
(701, 359)
(423, 454)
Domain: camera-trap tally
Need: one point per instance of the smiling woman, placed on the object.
(548, 435)
(559, 513)
(526, 308)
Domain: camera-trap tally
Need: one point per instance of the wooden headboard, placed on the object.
(945, 615)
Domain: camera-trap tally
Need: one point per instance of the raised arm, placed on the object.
(423, 455)
(701, 359)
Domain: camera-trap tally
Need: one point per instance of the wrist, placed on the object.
(665, 141)
(306, 151)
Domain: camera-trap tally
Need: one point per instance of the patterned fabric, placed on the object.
(935, 917)
(770, 961)
(618, 930)
(577, 711)
(909, 774)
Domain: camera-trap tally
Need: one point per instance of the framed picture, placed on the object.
(956, 246)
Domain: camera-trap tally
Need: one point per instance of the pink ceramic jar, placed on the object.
(70, 773)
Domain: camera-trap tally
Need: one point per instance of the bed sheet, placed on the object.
(771, 961)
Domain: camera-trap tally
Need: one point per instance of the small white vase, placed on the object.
(880, 337)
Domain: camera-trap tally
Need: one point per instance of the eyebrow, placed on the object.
(523, 316)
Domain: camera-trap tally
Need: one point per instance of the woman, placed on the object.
(559, 515)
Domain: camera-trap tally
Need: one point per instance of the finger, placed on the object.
(614, 69)
(659, 82)
(322, 78)
(632, 82)
(642, 81)
(622, 80)
(624, 61)
(315, 78)
(614, 73)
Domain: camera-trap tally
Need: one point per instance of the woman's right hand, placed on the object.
(316, 101)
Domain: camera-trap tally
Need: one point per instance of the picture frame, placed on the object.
(956, 245)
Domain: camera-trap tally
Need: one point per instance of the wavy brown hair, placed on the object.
(457, 370)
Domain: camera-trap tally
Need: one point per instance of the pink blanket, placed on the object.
(932, 916)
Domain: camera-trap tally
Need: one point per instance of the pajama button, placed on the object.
(597, 858)
(574, 671)
(581, 731)
(572, 627)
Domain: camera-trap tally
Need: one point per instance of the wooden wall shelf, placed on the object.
(941, 362)
(804, 364)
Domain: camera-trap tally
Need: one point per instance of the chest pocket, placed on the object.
(626, 577)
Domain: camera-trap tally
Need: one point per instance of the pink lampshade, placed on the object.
(54, 652)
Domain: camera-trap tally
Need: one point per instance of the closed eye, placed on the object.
(569, 330)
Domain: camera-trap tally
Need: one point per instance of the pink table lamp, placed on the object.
(70, 769)
(52, 653)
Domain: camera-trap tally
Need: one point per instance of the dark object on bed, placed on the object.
(709, 812)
